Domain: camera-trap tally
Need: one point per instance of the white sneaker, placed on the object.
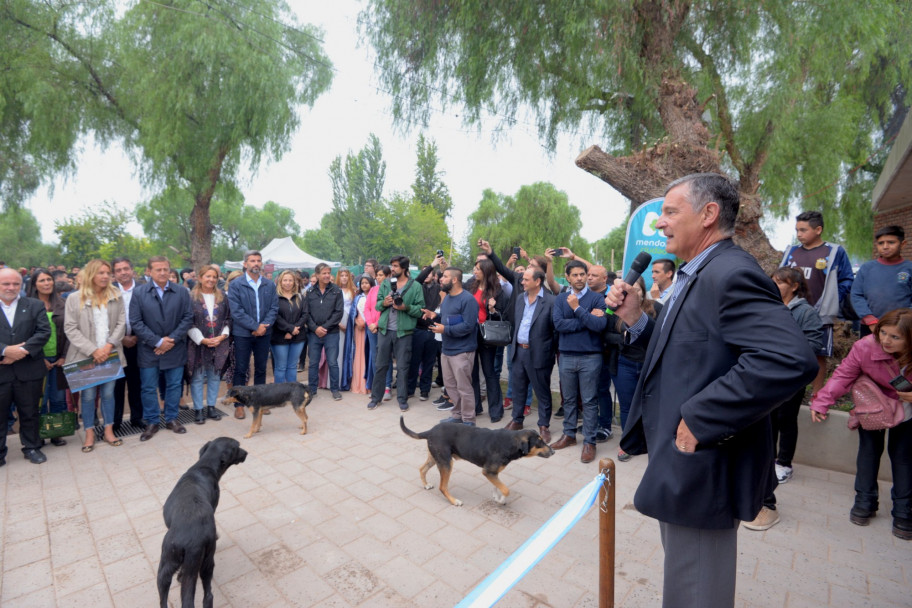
(783, 474)
(766, 519)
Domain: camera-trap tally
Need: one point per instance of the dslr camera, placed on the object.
(397, 297)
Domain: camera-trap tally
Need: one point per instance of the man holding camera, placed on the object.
(399, 302)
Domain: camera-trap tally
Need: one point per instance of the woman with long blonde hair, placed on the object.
(289, 334)
(94, 323)
(207, 349)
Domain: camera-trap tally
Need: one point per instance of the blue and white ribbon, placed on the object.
(530, 553)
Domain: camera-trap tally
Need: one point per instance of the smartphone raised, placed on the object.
(516, 251)
(901, 384)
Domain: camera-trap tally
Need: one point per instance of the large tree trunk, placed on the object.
(644, 175)
(200, 223)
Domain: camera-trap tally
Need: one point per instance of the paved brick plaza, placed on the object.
(337, 518)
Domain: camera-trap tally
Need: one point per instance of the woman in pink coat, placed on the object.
(882, 356)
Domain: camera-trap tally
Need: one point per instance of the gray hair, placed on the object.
(712, 188)
(251, 252)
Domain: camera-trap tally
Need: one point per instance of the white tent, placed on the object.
(283, 253)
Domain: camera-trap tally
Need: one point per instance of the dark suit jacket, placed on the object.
(730, 353)
(30, 325)
(152, 318)
(542, 337)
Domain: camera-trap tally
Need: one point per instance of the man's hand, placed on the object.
(572, 301)
(625, 301)
(428, 314)
(260, 330)
(15, 352)
(402, 306)
(439, 260)
(388, 301)
(320, 331)
(567, 253)
(166, 345)
(129, 341)
(437, 328)
(597, 312)
(523, 254)
(484, 246)
(684, 439)
(655, 292)
(511, 262)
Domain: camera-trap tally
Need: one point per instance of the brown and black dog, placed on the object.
(490, 449)
(189, 545)
(260, 397)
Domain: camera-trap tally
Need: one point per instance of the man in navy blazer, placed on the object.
(254, 305)
(24, 329)
(534, 345)
(160, 317)
(722, 355)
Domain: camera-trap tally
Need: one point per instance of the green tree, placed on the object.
(21, 234)
(610, 247)
(357, 199)
(785, 96)
(98, 230)
(407, 226)
(195, 91)
(539, 217)
(428, 187)
(320, 243)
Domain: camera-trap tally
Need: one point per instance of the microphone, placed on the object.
(639, 264)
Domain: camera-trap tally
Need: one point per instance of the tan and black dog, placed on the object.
(261, 397)
(490, 449)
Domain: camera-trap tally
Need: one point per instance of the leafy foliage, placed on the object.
(21, 234)
(795, 93)
(94, 233)
(195, 91)
(539, 217)
(428, 187)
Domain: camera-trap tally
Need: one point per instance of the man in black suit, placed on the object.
(723, 353)
(534, 345)
(24, 329)
(130, 383)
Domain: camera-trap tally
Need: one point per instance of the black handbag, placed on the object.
(496, 332)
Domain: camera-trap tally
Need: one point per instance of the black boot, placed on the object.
(213, 413)
(200, 417)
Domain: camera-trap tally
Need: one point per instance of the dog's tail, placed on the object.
(409, 431)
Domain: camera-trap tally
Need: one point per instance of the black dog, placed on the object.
(189, 544)
(490, 449)
(260, 397)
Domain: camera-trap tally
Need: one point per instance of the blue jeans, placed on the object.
(148, 376)
(579, 377)
(625, 384)
(107, 404)
(210, 377)
(285, 357)
(315, 346)
(605, 400)
(243, 346)
(54, 398)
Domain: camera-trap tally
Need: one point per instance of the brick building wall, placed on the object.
(901, 216)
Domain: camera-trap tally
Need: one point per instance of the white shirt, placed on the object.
(127, 295)
(10, 311)
(195, 334)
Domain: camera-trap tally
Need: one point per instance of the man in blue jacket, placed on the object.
(254, 304)
(579, 319)
(160, 317)
(722, 355)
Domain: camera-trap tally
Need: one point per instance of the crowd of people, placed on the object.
(709, 367)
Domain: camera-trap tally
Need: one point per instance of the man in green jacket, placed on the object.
(399, 302)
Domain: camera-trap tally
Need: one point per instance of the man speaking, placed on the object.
(722, 355)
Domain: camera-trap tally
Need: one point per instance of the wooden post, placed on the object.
(606, 503)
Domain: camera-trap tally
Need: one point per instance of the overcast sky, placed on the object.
(339, 122)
